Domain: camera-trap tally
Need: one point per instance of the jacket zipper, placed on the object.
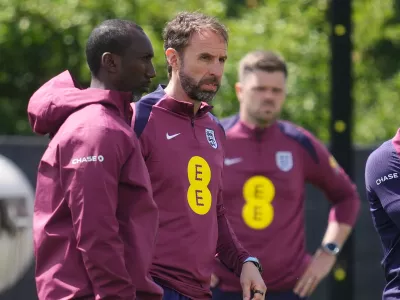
(259, 144)
(193, 128)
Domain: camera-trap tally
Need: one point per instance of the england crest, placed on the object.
(211, 138)
(284, 160)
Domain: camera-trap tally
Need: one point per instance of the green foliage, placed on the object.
(299, 33)
(40, 38)
(376, 69)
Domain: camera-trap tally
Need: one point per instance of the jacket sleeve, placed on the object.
(229, 250)
(326, 174)
(90, 163)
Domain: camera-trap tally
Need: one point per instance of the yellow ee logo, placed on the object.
(198, 195)
(258, 192)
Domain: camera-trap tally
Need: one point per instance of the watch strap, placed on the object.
(256, 262)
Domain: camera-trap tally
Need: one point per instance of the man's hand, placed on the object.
(319, 268)
(251, 281)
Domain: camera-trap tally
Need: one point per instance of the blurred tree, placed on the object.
(40, 38)
(377, 69)
(300, 34)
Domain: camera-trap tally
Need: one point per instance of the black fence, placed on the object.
(368, 276)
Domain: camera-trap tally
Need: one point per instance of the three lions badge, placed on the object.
(284, 160)
(210, 135)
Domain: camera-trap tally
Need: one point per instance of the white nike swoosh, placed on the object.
(172, 136)
(232, 161)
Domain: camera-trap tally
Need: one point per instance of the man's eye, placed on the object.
(205, 57)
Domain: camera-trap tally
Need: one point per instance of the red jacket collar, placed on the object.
(254, 131)
(182, 107)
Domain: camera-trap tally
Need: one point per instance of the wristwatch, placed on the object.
(255, 261)
(331, 248)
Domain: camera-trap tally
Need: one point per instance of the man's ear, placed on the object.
(110, 62)
(173, 58)
(238, 90)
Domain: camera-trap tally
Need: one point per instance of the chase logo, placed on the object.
(386, 178)
(87, 159)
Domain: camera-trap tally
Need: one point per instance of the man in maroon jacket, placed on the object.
(267, 164)
(95, 220)
(182, 144)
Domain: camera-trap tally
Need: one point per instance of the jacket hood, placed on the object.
(58, 98)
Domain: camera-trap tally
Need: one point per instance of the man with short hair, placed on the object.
(182, 144)
(95, 220)
(267, 164)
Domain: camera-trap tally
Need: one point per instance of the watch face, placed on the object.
(252, 259)
(332, 248)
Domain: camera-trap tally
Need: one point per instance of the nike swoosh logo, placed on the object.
(232, 161)
(172, 136)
